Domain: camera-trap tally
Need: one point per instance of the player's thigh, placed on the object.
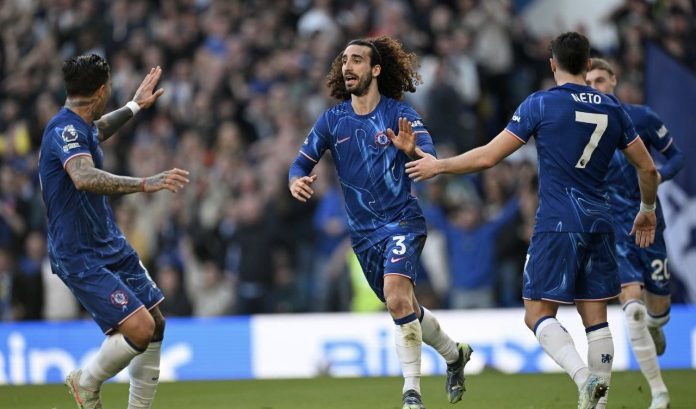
(132, 272)
(398, 254)
(372, 263)
(553, 260)
(402, 255)
(631, 263)
(102, 293)
(598, 276)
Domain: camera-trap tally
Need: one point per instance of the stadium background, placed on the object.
(244, 83)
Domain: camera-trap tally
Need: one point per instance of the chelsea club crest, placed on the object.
(381, 139)
(119, 298)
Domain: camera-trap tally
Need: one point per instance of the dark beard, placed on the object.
(362, 87)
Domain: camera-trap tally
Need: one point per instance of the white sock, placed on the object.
(643, 345)
(600, 354)
(144, 372)
(558, 344)
(409, 338)
(658, 321)
(114, 355)
(434, 336)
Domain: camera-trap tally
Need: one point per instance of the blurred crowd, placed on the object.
(244, 82)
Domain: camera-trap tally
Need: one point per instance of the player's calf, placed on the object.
(655, 323)
(144, 369)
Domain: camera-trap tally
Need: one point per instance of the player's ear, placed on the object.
(376, 69)
(552, 63)
(101, 91)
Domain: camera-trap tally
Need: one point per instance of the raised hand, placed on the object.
(144, 95)
(644, 228)
(301, 188)
(423, 168)
(172, 180)
(406, 139)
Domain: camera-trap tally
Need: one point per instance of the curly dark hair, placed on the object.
(399, 72)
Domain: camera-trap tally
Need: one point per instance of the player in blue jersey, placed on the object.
(571, 257)
(641, 268)
(386, 223)
(86, 248)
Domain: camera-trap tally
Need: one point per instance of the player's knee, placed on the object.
(143, 332)
(635, 311)
(399, 305)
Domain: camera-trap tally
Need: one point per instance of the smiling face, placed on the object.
(601, 80)
(357, 70)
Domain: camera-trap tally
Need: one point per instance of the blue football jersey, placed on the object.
(371, 170)
(577, 130)
(82, 232)
(623, 178)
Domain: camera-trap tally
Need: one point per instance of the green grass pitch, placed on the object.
(489, 390)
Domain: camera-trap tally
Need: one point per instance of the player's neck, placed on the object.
(363, 105)
(84, 107)
(563, 77)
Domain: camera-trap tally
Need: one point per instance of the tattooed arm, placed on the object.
(144, 96)
(90, 179)
(110, 123)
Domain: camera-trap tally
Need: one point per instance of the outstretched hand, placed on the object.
(172, 180)
(301, 188)
(423, 168)
(644, 228)
(144, 95)
(406, 139)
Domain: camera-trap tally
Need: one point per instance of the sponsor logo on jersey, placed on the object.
(416, 123)
(69, 133)
(119, 298)
(516, 118)
(69, 146)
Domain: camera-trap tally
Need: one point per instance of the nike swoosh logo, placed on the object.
(396, 260)
(342, 140)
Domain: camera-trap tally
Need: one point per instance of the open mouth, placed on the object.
(350, 80)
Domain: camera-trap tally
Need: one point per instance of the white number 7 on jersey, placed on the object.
(601, 121)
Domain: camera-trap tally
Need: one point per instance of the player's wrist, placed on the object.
(647, 208)
(133, 106)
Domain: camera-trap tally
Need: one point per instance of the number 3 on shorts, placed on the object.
(400, 248)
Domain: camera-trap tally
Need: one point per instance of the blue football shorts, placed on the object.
(112, 293)
(566, 267)
(397, 254)
(644, 266)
